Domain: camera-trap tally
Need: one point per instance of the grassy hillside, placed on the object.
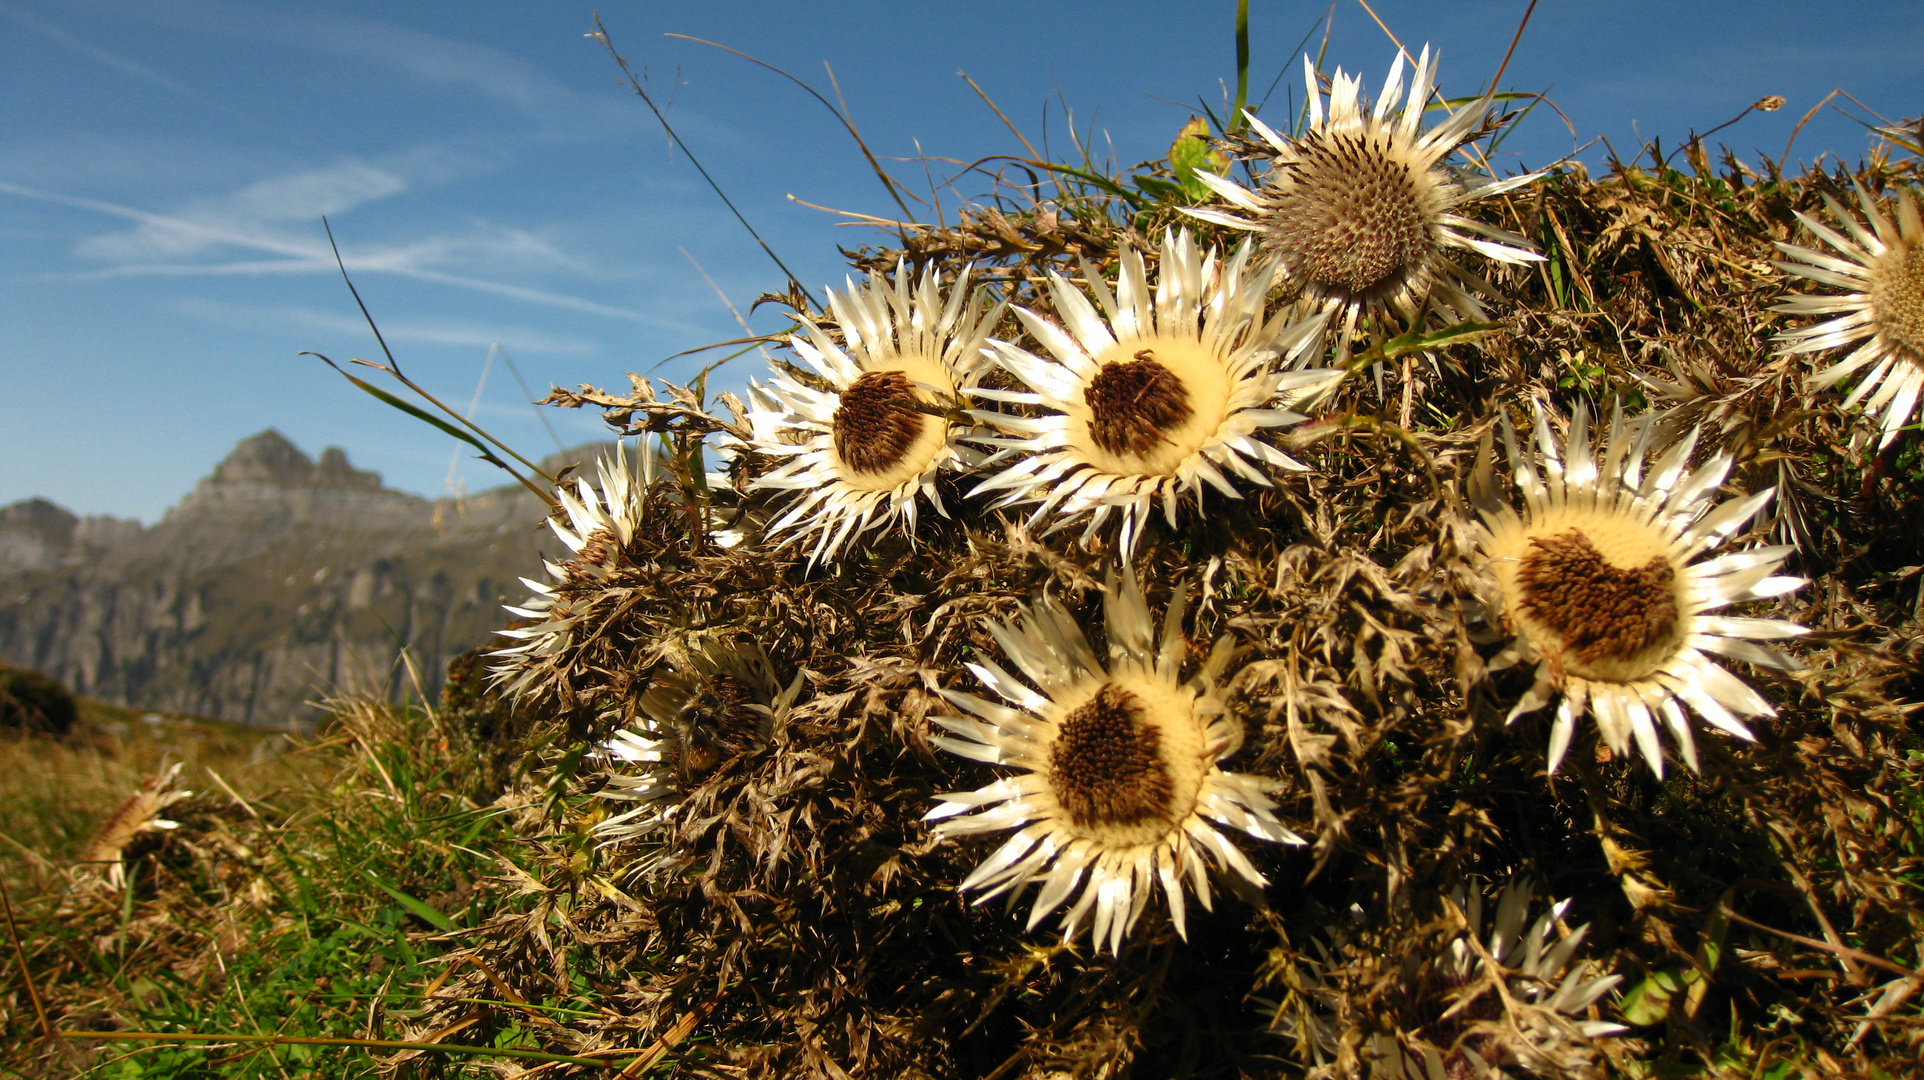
(58, 790)
(304, 889)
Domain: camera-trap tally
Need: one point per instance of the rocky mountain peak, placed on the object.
(271, 475)
(34, 533)
(41, 519)
(277, 581)
(269, 458)
(334, 471)
(265, 458)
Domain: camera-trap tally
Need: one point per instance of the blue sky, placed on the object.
(164, 165)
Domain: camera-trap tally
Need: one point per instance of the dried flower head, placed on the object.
(1474, 1007)
(1361, 210)
(862, 450)
(1882, 271)
(139, 813)
(1157, 395)
(1119, 780)
(713, 701)
(600, 525)
(1598, 584)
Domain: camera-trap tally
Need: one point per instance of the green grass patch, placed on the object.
(305, 895)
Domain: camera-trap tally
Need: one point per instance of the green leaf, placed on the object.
(1711, 950)
(415, 907)
(1156, 187)
(1191, 153)
(419, 414)
(481, 821)
(1648, 1002)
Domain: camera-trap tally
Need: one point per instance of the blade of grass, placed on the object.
(1000, 115)
(601, 35)
(935, 194)
(1381, 25)
(750, 342)
(1417, 341)
(1514, 38)
(894, 186)
(529, 395)
(20, 954)
(1242, 67)
(1792, 141)
(1035, 196)
(415, 907)
(412, 410)
(393, 366)
(1840, 92)
(1284, 68)
(1095, 180)
(746, 343)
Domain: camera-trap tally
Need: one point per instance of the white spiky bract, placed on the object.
(1882, 273)
(1533, 960)
(600, 524)
(1535, 1020)
(640, 771)
(1627, 520)
(1362, 211)
(1204, 323)
(909, 326)
(644, 766)
(1539, 956)
(1116, 864)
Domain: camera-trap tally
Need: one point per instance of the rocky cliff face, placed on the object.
(277, 581)
(36, 534)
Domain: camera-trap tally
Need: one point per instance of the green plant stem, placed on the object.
(889, 183)
(20, 953)
(428, 418)
(465, 422)
(1242, 66)
(601, 35)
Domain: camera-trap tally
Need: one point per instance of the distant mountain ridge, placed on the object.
(276, 581)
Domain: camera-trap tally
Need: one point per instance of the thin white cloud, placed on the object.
(460, 333)
(487, 244)
(190, 235)
(208, 232)
(245, 216)
(109, 60)
(244, 268)
(479, 70)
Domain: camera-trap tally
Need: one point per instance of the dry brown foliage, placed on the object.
(799, 920)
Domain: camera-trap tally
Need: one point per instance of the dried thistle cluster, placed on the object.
(1202, 619)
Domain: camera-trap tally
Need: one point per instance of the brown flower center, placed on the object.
(1133, 403)
(1348, 216)
(1602, 612)
(712, 727)
(872, 433)
(599, 551)
(1106, 764)
(1897, 298)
